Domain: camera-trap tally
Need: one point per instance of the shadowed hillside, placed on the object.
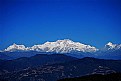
(71, 69)
(96, 77)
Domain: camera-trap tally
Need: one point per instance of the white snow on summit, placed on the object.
(59, 46)
(62, 46)
(15, 47)
(65, 46)
(110, 46)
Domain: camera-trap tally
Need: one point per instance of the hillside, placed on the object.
(53, 72)
(109, 77)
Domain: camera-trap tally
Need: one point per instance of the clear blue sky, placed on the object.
(93, 22)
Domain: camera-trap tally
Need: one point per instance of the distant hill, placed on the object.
(4, 56)
(15, 55)
(34, 61)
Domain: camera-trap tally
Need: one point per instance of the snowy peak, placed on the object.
(110, 46)
(59, 46)
(67, 46)
(62, 46)
(15, 47)
(65, 41)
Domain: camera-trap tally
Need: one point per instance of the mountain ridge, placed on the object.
(59, 46)
(34, 61)
(53, 72)
(66, 46)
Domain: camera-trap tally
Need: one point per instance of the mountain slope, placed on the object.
(4, 56)
(55, 72)
(34, 61)
(109, 77)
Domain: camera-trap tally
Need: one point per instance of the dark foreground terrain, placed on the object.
(56, 67)
(96, 77)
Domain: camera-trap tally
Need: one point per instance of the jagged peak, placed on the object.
(64, 40)
(14, 44)
(15, 47)
(110, 46)
(59, 46)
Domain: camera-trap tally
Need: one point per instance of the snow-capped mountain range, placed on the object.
(59, 46)
(111, 46)
(62, 46)
(66, 46)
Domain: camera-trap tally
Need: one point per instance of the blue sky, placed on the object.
(93, 22)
